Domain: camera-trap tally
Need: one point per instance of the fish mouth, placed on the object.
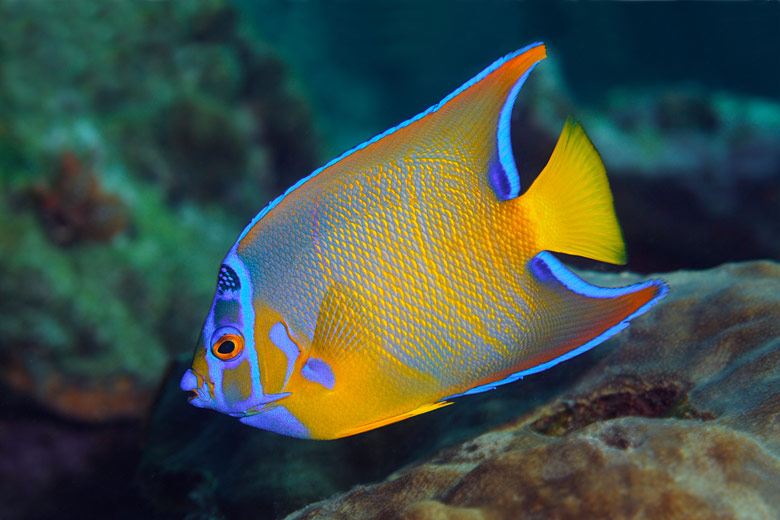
(198, 387)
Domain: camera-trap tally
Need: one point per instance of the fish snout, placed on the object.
(189, 381)
(200, 389)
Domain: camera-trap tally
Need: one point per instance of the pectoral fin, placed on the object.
(346, 339)
(351, 372)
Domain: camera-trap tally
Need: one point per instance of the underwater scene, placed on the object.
(343, 260)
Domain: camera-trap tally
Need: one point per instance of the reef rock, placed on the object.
(677, 420)
(627, 468)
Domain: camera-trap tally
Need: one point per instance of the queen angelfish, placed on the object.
(410, 270)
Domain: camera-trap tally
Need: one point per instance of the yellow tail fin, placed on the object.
(573, 204)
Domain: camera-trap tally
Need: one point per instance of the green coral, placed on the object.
(99, 310)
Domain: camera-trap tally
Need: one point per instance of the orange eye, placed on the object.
(228, 346)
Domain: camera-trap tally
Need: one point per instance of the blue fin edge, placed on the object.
(544, 265)
(504, 142)
(476, 79)
(579, 286)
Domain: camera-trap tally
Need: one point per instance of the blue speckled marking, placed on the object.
(476, 79)
(227, 281)
(504, 178)
(548, 268)
(278, 420)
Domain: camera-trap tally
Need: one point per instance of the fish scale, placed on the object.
(408, 254)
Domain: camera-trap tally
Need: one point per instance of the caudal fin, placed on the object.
(573, 204)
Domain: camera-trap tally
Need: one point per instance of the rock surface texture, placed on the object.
(678, 420)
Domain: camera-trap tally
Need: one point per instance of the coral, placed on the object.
(76, 208)
(149, 114)
(627, 468)
(184, 95)
(148, 110)
(87, 331)
(622, 397)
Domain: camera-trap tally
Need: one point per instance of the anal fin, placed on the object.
(390, 420)
(580, 316)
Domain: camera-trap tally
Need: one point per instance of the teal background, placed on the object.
(137, 139)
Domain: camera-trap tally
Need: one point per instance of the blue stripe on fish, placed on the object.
(546, 267)
(281, 339)
(476, 79)
(247, 318)
(503, 175)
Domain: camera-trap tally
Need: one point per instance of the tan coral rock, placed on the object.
(432, 510)
(629, 468)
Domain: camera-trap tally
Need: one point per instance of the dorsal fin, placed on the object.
(470, 126)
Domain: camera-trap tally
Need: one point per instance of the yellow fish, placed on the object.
(409, 271)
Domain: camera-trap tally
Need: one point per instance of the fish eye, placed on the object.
(227, 343)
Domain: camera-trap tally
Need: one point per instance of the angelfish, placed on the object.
(410, 270)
